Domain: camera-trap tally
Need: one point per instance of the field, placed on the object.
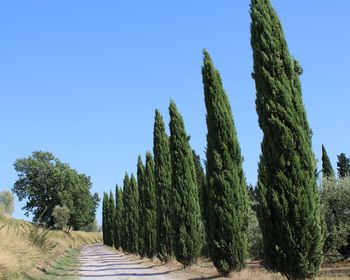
(21, 259)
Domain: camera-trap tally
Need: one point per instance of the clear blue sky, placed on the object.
(81, 79)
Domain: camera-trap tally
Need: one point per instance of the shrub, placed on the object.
(335, 196)
(92, 227)
(60, 216)
(6, 202)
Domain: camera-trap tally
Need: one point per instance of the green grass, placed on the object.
(64, 268)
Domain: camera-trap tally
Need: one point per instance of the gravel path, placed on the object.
(101, 262)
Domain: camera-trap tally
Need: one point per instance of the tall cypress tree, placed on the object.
(150, 210)
(108, 221)
(118, 217)
(111, 218)
(141, 182)
(126, 237)
(227, 194)
(327, 168)
(186, 213)
(162, 171)
(289, 206)
(343, 166)
(104, 218)
(133, 229)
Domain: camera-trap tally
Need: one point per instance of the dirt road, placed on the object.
(103, 263)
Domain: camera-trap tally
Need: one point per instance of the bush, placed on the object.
(60, 216)
(335, 196)
(6, 202)
(92, 227)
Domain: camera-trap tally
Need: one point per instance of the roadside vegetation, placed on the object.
(28, 251)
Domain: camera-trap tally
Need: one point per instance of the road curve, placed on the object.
(103, 263)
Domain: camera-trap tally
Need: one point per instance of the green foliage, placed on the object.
(111, 218)
(327, 168)
(60, 216)
(7, 202)
(92, 227)
(255, 240)
(119, 225)
(131, 214)
(289, 206)
(226, 187)
(142, 224)
(162, 170)
(77, 197)
(343, 166)
(104, 218)
(186, 213)
(203, 201)
(108, 219)
(39, 236)
(46, 182)
(335, 197)
(150, 209)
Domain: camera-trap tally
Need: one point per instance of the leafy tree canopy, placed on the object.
(44, 181)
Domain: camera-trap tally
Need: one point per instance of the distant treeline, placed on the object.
(45, 182)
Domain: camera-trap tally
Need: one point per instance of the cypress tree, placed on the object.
(227, 194)
(162, 171)
(150, 210)
(111, 219)
(107, 221)
(186, 213)
(126, 244)
(122, 224)
(133, 228)
(343, 166)
(118, 218)
(202, 198)
(289, 206)
(141, 182)
(327, 168)
(104, 218)
(200, 178)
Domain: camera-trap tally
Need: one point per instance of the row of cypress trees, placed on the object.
(171, 210)
(343, 165)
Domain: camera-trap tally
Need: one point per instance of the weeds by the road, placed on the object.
(21, 258)
(64, 268)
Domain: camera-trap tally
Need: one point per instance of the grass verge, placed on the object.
(21, 258)
(65, 268)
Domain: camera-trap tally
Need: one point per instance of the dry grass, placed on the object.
(19, 257)
(205, 270)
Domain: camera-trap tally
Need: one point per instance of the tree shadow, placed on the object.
(205, 278)
(127, 274)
